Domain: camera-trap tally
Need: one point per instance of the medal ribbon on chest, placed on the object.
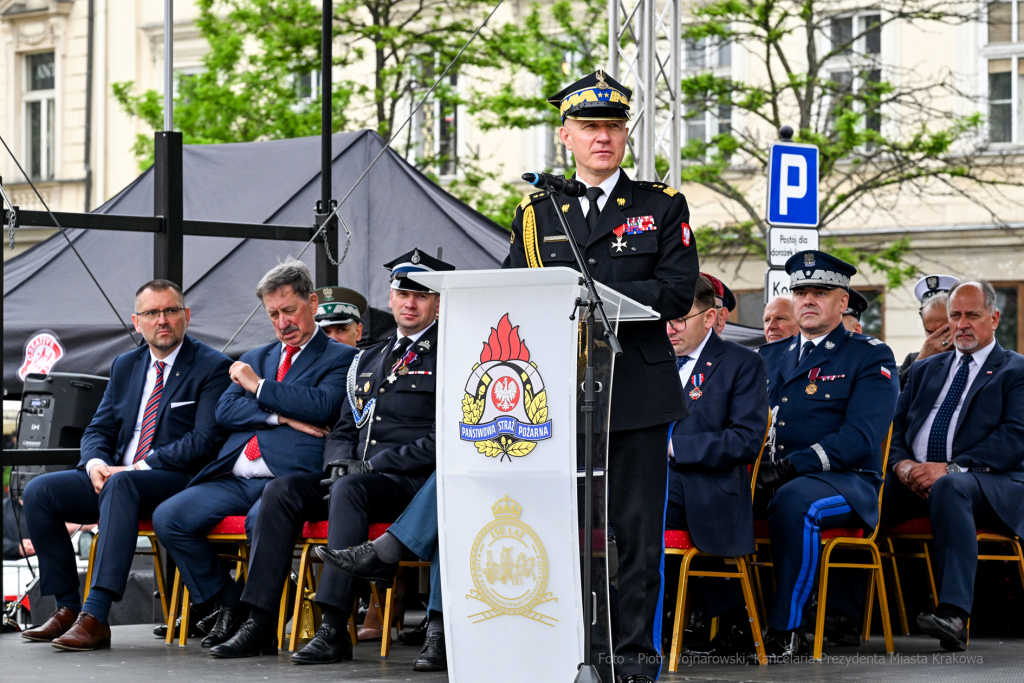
(813, 375)
(698, 380)
(401, 367)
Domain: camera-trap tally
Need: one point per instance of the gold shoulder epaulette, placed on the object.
(657, 187)
(530, 199)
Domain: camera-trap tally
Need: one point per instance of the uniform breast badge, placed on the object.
(400, 366)
(509, 567)
(812, 388)
(619, 244)
(830, 345)
(698, 380)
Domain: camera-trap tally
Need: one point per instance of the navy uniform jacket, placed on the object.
(989, 433)
(187, 434)
(657, 267)
(714, 445)
(836, 434)
(399, 440)
(313, 391)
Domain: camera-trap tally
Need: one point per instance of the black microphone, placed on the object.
(556, 183)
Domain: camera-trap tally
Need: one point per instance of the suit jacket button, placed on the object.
(381, 390)
(553, 255)
(782, 424)
(378, 418)
(782, 448)
(784, 399)
(828, 395)
(373, 442)
(592, 261)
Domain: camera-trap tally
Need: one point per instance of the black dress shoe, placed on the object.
(948, 628)
(196, 628)
(416, 636)
(251, 640)
(841, 629)
(730, 642)
(328, 646)
(432, 656)
(638, 678)
(361, 562)
(229, 619)
(781, 647)
(207, 623)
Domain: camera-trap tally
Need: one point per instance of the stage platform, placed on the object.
(138, 656)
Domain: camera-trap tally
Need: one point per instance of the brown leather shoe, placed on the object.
(86, 634)
(54, 627)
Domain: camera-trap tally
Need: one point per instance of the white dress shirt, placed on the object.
(147, 390)
(413, 337)
(257, 469)
(688, 366)
(608, 185)
(817, 340)
(920, 445)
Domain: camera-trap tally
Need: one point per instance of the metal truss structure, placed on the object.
(645, 52)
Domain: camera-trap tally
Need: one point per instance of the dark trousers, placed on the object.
(714, 596)
(182, 522)
(637, 493)
(416, 529)
(290, 501)
(59, 497)
(797, 513)
(956, 506)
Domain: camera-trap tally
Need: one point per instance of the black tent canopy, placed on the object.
(394, 209)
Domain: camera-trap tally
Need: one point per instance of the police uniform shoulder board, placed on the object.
(656, 187)
(530, 246)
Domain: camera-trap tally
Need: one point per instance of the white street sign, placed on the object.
(784, 242)
(776, 283)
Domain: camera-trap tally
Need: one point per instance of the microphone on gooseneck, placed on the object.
(557, 183)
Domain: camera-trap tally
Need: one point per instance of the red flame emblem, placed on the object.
(505, 344)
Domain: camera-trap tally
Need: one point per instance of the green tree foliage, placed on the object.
(887, 135)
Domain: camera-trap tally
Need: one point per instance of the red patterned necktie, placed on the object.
(148, 429)
(252, 449)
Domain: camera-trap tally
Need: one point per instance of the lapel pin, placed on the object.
(792, 346)
(565, 208)
(620, 201)
(178, 373)
(830, 345)
(989, 372)
(709, 363)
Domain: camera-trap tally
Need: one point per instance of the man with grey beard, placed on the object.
(958, 452)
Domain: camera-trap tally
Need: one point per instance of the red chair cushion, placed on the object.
(319, 530)
(679, 540)
(234, 524)
(918, 525)
(841, 533)
(145, 525)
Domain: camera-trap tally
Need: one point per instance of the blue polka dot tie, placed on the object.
(940, 427)
(681, 361)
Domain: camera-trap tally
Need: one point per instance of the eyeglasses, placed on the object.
(672, 323)
(156, 313)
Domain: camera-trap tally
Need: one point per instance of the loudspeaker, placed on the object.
(55, 410)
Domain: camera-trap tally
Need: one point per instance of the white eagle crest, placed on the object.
(505, 393)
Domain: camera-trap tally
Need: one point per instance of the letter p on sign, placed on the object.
(793, 185)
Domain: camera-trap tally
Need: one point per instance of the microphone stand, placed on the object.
(595, 309)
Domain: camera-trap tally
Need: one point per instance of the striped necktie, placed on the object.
(148, 430)
(252, 448)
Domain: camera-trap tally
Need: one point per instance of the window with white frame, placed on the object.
(1002, 58)
(38, 100)
(435, 131)
(854, 49)
(307, 85)
(703, 123)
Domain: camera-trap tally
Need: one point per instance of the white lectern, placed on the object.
(508, 463)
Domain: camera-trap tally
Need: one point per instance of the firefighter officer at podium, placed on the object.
(635, 238)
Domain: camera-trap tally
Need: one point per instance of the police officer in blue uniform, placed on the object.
(833, 394)
(635, 237)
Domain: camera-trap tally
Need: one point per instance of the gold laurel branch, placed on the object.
(520, 448)
(472, 409)
(489, 448)
(537, 408)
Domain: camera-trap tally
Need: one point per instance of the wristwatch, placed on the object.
(953, 468)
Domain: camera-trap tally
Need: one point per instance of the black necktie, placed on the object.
(399, 351)
(807, 348)
(593, 212)
(939, 432)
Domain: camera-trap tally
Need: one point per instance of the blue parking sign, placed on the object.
(793, 185)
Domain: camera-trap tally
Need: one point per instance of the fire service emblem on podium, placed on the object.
(505, 409)
(509, 567)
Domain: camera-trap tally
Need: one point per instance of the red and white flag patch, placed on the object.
(886, 373)
(687, 236)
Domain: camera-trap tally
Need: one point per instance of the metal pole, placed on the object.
(168, 202)
(675, 68)
(645, 162)
(326, 271)
(613, 39)
(168, 65)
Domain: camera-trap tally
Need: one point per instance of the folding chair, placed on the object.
(145, 530)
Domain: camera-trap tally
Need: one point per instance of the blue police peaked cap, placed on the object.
(818, 269)
(858, 304)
